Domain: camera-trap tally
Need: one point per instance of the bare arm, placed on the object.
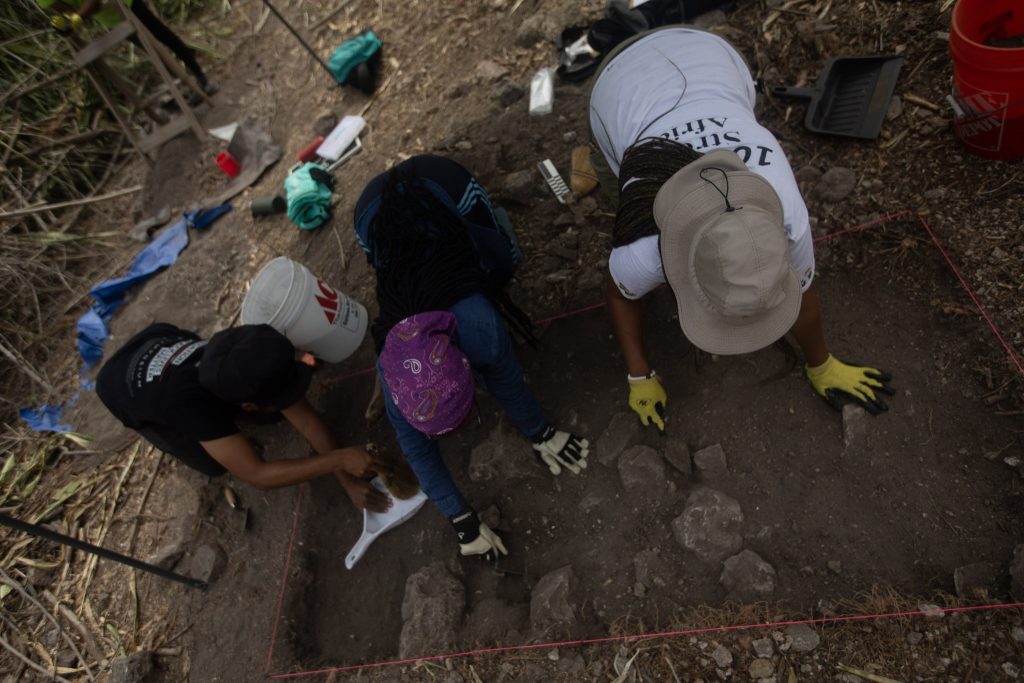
(809, 331)
(308, 422)
(626, 320)
(237, 455)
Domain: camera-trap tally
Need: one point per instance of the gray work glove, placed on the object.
(561, 449)
(476, 538)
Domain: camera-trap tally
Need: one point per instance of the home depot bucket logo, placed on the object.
(328, 299)
(983, 118)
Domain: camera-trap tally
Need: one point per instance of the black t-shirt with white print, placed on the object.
(153, 380)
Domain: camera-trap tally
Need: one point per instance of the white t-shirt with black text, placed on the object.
(692, 87)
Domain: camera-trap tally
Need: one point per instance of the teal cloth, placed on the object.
(352, 53)
(309, 202)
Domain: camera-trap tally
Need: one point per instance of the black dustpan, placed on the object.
(851, 96)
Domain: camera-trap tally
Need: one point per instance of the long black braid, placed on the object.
(646, 165)
(425, 259)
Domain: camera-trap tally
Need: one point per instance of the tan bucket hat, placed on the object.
(726, 256)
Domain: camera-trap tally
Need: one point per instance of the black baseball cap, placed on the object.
(253, 364)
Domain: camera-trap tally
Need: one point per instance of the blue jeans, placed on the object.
(481, 335)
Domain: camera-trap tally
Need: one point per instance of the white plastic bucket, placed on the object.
(313, 315)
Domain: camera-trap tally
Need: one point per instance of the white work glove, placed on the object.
(561, 449)
(476, 538)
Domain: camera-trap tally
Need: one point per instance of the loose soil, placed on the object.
(925, 492)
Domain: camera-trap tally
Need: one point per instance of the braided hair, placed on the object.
(424, 257)
(646, 165)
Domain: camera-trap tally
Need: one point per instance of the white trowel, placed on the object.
(376, 523)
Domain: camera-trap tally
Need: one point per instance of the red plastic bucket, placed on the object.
(988, 80)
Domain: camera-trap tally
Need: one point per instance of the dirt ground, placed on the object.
(930, 487)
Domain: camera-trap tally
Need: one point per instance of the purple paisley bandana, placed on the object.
(430, 379)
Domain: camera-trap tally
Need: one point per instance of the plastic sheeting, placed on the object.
(109, 295)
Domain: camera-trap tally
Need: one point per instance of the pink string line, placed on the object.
(646, 636)
(284, 581)
(970, 293)
(665, 634)
(863, 226)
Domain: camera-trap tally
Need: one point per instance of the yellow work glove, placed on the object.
(476, 538)
(834, 380)
(647, 399)
(66, 23)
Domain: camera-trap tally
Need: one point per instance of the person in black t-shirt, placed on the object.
(182, 394)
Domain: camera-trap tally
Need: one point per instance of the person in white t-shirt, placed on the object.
(708, 203)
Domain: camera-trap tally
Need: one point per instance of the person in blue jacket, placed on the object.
(440, 331)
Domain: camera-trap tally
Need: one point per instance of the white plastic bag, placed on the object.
(542, 92)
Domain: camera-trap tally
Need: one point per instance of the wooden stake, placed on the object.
(75, 202)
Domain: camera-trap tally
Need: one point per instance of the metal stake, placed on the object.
(299, 38)
(42, 532)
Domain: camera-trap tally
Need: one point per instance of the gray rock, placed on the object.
(489, 71)
(761, 668)
(550, 606)
(458, 90)
(1017, 574)
(931, 610)
(208, 563)
(895, 108)
(569, 254)
(836, 185)
(167, 555)
(134, 668)
(503, 455)
(569, 136)
(807, 174)
(325, 122)
(538, 27)
(915, 637)
(764, 647)
(571, 663)
(747, 577)
(507, 92)
(715, 17)
(464, 145)
(722, 656)
(493, 620)
(590, 279)
(1017, 633)
(622, 429)
(519, 187)
(835, 566)
(650, 569)
(491, 517)
(678, 455)
(431, 611)
(935, 194)
(710, 525)
(588, 206)
(804, 637)
(977, 580)
(454, 677)
(711, 463)
(642, 470)
(855, 428)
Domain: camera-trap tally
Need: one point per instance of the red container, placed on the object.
(308, 152)
(988, 81)
(228, 164)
